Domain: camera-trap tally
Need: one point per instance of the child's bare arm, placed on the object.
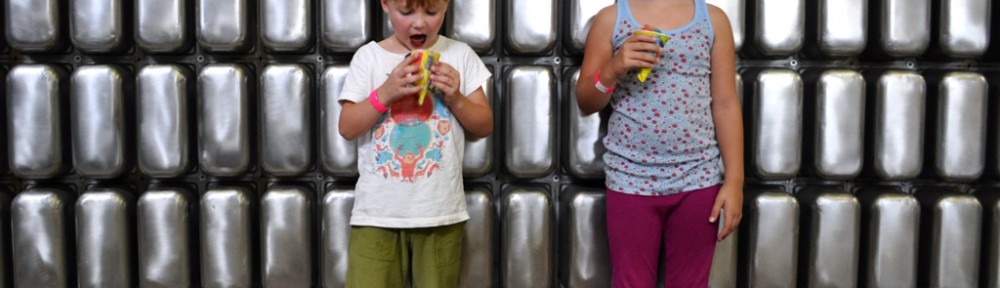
(727, 115)
(358, 118)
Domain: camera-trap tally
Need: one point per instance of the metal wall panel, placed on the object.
(834, 233)
(780, 26)
(345, 24)
(104, 238)
(286, 25)
(724, 262)
(222, 25)
(336, 227)
(473, 22)
(286, 237)
(899, 125)
(42, 233)
(531, 25)
(777, 124)
(6, 277)
(773, 240)
(163, 120)
(581, 16)
(530, 121)
(843, 26)
(35, 126)
(965, 27)
(339, 155)
(992, 272)
(584, 259)
(161, 25)
(892, 241)
(955, 245)
(960, 144)
(224, 120)
(478, 158)
(96, 25)
(165, 238)
(98, 116)
(285, 119)
(586, 135)
(904, 27)
(840, 123)
(4, 138)
(478, 248)
(736, 12)
(225, 238)
(33, 25)
(526, 239)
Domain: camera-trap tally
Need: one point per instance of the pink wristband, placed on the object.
(373, 99)
(600, 87)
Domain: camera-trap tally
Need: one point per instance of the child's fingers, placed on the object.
(715, 210)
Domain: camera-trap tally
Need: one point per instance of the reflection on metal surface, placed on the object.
(840, 120)
(225, 238)
(286, 237)
(581, 16)
(340, 156)
(285, 115)
(899, 125)
(586, 148)
(584, 259)
(724, 262)
(336, 217)
(34, 125)
(40, 229)
(955, 246)
(777, 124)
(163, 123)
(33, 25)
(286, 25)
(833, 239)
(993, 246)
(5, 237)
(223, 120)
(532, 28)
(780, 26)
(965, 27)
(478, 158)
(345, 24)
(103, 238)
(161, 25)
(905, 27)
(960, 146)
(477, 244)
(773, 246)
(96, 25)
(530, 121)
(473, 22)
(222, 25)
(843, 26)
(526, 238)
(97, 124)
(892, 242)
(737, 14)
(165, 244)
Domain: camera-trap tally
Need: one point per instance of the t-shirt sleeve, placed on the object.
(357, 83)
(475, 74)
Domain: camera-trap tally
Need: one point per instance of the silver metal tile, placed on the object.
(285, 92)
(33, 25)
(336, 227)
(96, 25)
(161, 25)
(724, 262)
(222, 25)
(899, 125)
(526, 238)
(286, 25)
(780, 26)
(965, 27)
(473, 22)
(345, 24)
(478, 268)
(103, 238)
(960, 145)
(339, 155)
(97, 121)
(993, 246)
(531, 25)
(777, 124)
(478, 158)
(163, 123)
(165, 243)
(286, 237)
(34, 125)
(530, 121)
(843, 26)
(223, 120)
(736, 12)
(583, 236)
(892, 242)
(4, 138)
(904, 27)
(840, 123)
(955, 245)
(40, 227)
(225, 238)
(773, 248)
(581, 15)
(586, 148)
(834, 240)
(5, 236)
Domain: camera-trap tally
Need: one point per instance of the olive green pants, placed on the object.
(387, 258)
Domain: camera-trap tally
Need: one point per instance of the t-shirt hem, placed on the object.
(385, 222)
(632, 191)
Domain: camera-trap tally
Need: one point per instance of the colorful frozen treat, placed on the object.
(661, 40)
(426, 59)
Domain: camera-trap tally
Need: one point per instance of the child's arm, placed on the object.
(727, 115)
(639, 51)
(358, 118)
(472, 111)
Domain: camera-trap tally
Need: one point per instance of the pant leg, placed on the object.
(689, 240)
(634, 224)
(374, 258)
(437, 256)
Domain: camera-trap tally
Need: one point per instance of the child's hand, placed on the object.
(400, 81)
(639, 51)
(729, 199)
(446, 79)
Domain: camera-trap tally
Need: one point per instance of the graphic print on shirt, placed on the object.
(409, 138)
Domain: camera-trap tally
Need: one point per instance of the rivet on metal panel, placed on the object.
(77, 58)
(200, 58)
(556, 60)
(555, 178)
(319, 58)
(909, 64)
(793, 63)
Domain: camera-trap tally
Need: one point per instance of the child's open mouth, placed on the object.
(418, 41)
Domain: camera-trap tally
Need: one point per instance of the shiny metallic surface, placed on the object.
(777, 124)
(96, 25)
(286, 237)
(955, 245)
(834, 240)
(478, 158)
(530, 117)
(905, 27)
(335, 230)
(965, 27)
(773, 236)
(473, 22)
(224, 119)
(165, 233)
(41, 226)
(960, 142)
(33, 25)
(992, 271)
(892, 242)
(5, 264)
(225, 238)
(286, 25)
(345, 24)
(285, 130)
(531, 25)
(586, 153)
(843, 26)
(163, 120)
(840, 123)
(34, 121)
(222, 25)
(584, 257)
(103, 238)
(161, 25)
(339, 155)
(97, 120)
(478, 268)
(780, 26)
(899, 125)
(724, 261)
(581, 16)
(736, 12)
(526, 240)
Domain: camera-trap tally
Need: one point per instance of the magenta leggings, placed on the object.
(638, 225)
